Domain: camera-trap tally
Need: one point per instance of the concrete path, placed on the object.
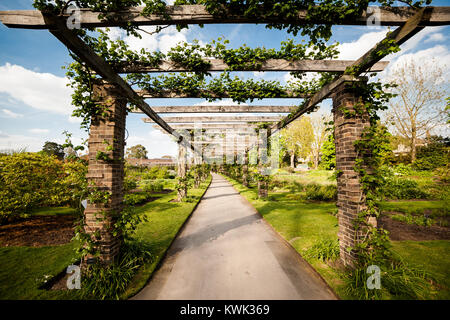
(227, 251)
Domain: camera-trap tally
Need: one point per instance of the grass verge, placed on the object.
(306, 224)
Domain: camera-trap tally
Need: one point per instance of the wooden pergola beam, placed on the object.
(215, 131)
(197, 14)
(399, 36)
(206, 126)
(97, 63)
(208, 94)
(220, 109)
(217, 119)
(269, 65)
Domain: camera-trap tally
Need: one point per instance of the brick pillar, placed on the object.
(182, 157)
(351, 199)
(106, 134)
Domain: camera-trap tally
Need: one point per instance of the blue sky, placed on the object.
(35, 103)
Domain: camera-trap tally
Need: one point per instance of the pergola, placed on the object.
(114, 92)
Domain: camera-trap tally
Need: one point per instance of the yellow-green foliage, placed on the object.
(30, 180)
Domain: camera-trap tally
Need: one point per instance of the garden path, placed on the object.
(228, 251)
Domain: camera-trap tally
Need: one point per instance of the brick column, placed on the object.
(351, 199)
(182, 157)
(107, 134)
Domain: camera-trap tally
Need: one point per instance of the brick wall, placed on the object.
(106, 175)
(351, 199)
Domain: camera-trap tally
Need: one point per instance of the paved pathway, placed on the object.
(227, 251)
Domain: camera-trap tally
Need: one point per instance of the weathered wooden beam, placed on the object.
(215, 131)
(269, 65)
(221, 109)
(208, 126)
(87, 54)
(197, 14)
(399, 36)
(218, 119)
(209, 94)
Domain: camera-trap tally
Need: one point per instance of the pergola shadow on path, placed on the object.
(114, 92)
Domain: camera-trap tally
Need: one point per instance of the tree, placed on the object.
(419, 107)
(137, 152)
(328, 154)
(53, 149)
(298, 137)
(320, 125)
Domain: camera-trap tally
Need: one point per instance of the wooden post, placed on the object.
(245, 169)
(106, 137)
(351, 199)
(182, 169)
(262, 157)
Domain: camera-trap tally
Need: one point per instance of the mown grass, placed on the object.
(165, 219)
(433, 208)
(304, 224)
(313, 176)
(431, 256)
(23, 268)
(54, 211)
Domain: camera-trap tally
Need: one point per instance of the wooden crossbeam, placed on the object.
(208, 126)
(215, 131)
(205, 94)
(197, 14)
(269, 65)
(87, 54)
(399, 36)
(221, 109)
(216, 119)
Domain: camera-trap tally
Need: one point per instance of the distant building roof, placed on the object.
(151, 162)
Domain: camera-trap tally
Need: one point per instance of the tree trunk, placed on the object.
(292, 160)
(413, 144)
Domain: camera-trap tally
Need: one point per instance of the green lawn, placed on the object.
(312, 176)
(434, 208)
(432, 256)
(54, 211)
(303, 223)
(22, 268)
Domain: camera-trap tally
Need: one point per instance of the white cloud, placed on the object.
(162, 41)
(435, 37)
(39, 131)
(15, 142)
(438, 55)
(355, 49)
(157, 143)
(9, 114)
(43, 91)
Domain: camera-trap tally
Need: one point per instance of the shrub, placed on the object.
(320, 192)
(136, 198)
(421, 220)
(31, 180)
(397, 279)
(324, 250)
(156, 186)
(402, 188)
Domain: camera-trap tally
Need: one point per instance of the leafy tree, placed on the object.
(434, 155)
(319, 125)
(53, 148)
(137, 152)
(328, 150)
(419, 107)
(298, 138)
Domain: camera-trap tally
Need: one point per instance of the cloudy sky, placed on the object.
(35, 104)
